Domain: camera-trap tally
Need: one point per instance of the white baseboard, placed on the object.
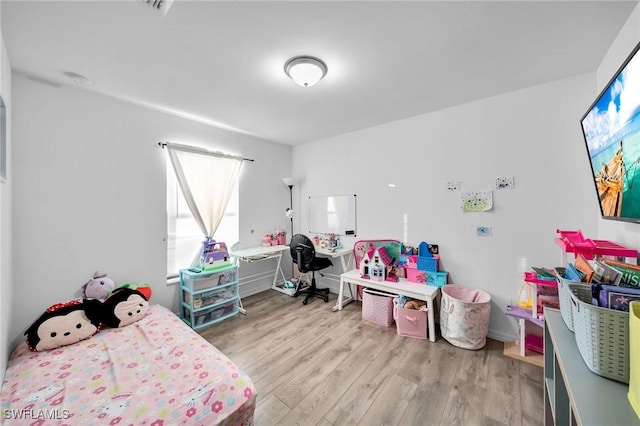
(251, 288)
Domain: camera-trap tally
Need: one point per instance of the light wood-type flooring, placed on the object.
(312, 366)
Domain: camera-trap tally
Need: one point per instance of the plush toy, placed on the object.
(98, 287)
(400, 300)
(125, 306)
(412, 304)
(142, 288)
(64, 323)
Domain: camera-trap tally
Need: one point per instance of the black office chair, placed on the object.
(304, 255)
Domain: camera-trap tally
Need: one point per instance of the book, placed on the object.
(544, 274)
(605, 274)
(572, 274)
(615, 297)
(585, 267)
(630, 273)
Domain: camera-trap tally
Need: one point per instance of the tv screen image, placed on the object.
(611, 129)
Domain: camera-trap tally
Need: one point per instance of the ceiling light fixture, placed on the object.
(305, 70)
(78, 79)
(161, 6)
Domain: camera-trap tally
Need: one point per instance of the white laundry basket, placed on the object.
(464, 316)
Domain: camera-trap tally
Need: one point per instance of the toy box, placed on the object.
(377, 307)
(410, 322)
(422, 263)
(416, 275)
(409, 261)
(428, 263)
(436, 279)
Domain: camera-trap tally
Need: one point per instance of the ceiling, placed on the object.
(222, 63)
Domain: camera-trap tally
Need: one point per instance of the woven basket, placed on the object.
(564, 295)
(602, 335)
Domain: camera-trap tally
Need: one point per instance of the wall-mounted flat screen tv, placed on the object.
(611, 129)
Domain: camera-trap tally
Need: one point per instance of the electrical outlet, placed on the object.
(504, 182)
(483, 231)
(453, 186)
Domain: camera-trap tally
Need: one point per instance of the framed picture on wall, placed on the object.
(3, 142)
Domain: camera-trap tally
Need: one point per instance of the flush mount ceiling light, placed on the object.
(161, 6)
(305, 70)
(78, 79)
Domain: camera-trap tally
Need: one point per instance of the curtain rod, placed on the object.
(204, 151)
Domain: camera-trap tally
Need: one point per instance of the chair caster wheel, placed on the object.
(326, 299)
(304, 302)
(295, 294)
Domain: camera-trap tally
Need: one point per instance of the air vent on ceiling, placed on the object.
(161, 6)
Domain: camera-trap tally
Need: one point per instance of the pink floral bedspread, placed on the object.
(156, 371)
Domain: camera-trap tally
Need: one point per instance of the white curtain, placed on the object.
(206, 180)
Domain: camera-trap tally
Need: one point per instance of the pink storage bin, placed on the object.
(377, 307)
(410, 322)
(409, 261)
(416, 276)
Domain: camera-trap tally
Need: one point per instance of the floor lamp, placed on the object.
(289, 211)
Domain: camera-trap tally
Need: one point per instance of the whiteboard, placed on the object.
(333, 213)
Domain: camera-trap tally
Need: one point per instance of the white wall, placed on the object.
(621, 232)
(531, 134)
(6, 275)
(90, 193)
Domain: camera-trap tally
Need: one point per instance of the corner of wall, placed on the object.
(6, 240)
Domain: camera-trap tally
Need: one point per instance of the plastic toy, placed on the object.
(377, 271)
(525, 298)
(214, 255)
(400, 300)
(365, 265)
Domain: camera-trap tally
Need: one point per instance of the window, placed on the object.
(184, 235)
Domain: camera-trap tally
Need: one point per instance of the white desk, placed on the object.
(341, 253)
(258, 254)
(414, 290)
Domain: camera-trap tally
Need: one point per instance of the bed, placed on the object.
(156, 371)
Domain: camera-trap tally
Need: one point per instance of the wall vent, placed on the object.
(161, 6)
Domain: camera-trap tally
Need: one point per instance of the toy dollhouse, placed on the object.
(378, 271)
(214, 255)
(365, 264)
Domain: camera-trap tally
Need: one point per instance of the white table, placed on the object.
(406, 288)
(258, 254)
(573, 394)
(340, 252)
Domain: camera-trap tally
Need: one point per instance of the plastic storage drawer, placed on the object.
(210, 315)
(208, 297)
(196, 281)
